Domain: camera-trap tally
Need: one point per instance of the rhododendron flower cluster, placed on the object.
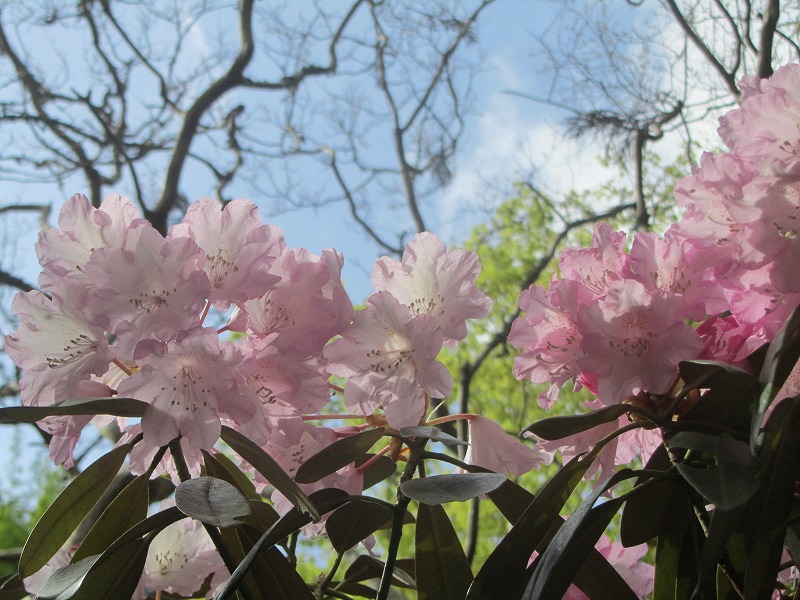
(618, 322)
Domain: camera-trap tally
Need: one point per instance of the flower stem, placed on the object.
(448, 418)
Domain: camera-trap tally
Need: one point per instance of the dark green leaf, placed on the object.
(119, 407)
(125, 511)
(338, 455)
(351, 523)
(68, 510)
(708, 373)
(67, 578)
(11, 588)
(451, 488)
(326, 500)
(380, 469)
(556, 428)
(720, 469)
(431, 433)
(505, 566)
(220, 466)
(266, 465)
(113, 575)
(357, 589)
(213, 501)
(730, 399)
(368, 567)
(781, 358)
(272, 573)
(443, 571)
(651, 509)
(677, 559)
(572, 543)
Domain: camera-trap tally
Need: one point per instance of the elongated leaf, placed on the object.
(119, 407)
(115, 575)
(730, 480)
(731, 399)
(505, 566)
(213, 501)
(380, 469)
(677, 559)
(451, 488)
(338, 455)
(443, 571)
(781, 357)
(220, 466)
(573, 542)
(11, 588)
(292, 521)
(368, 567)
(266, 465)
(555, 428)
(351, 523)
(431, 433)
(68, 510)
(275, 578)
(708, 373)
(67, 578)
(125, 511)
(651, 509)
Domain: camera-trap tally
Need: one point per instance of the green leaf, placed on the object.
(677, 559)
(451, 488)
(68, 510)
(292, 521)
(781, 358)
(119, 407)
(113, 575)
(368, 567)
(431, 433)
(730, 399)
(220, 466)
(651, 509)
(443, 570)
(720, 469)
(505, 566)
(212, 501)
(266, 465)
(272, 573)
(351, 523)
(380, 469)
(572, 543)
(556, 428)
(11, 588)
(338, 455)
(125, 511)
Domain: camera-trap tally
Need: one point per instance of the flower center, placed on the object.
(76, 349)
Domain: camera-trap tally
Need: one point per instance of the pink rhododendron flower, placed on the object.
(56, 347)
(65, 250)
(596, 267)
(634, 341)
(432, 281)
(239, 248)
(549, 337)
(153, 289)
(188, 382)
(180, 558)
(389, 358)
(492, 448)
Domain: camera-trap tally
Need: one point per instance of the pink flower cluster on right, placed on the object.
(619, 322)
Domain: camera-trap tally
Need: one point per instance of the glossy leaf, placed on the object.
(728, 479)
(68, 510)
(272, 573)
(269, 468)
(11, 588)
(651, 509)
(505, 566)
(572, 543)
(212, 501)
(677, 557)
(782, 355)
(220, 466)
(432, 433)
(730, 399)
(380, 469)
(119, 407)
(443, 571)
(556, 428)
(292, 521)
(125, 511)
(368, 567)
(439, 489)
(113, 575)
(353, 522)
(338, 455)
